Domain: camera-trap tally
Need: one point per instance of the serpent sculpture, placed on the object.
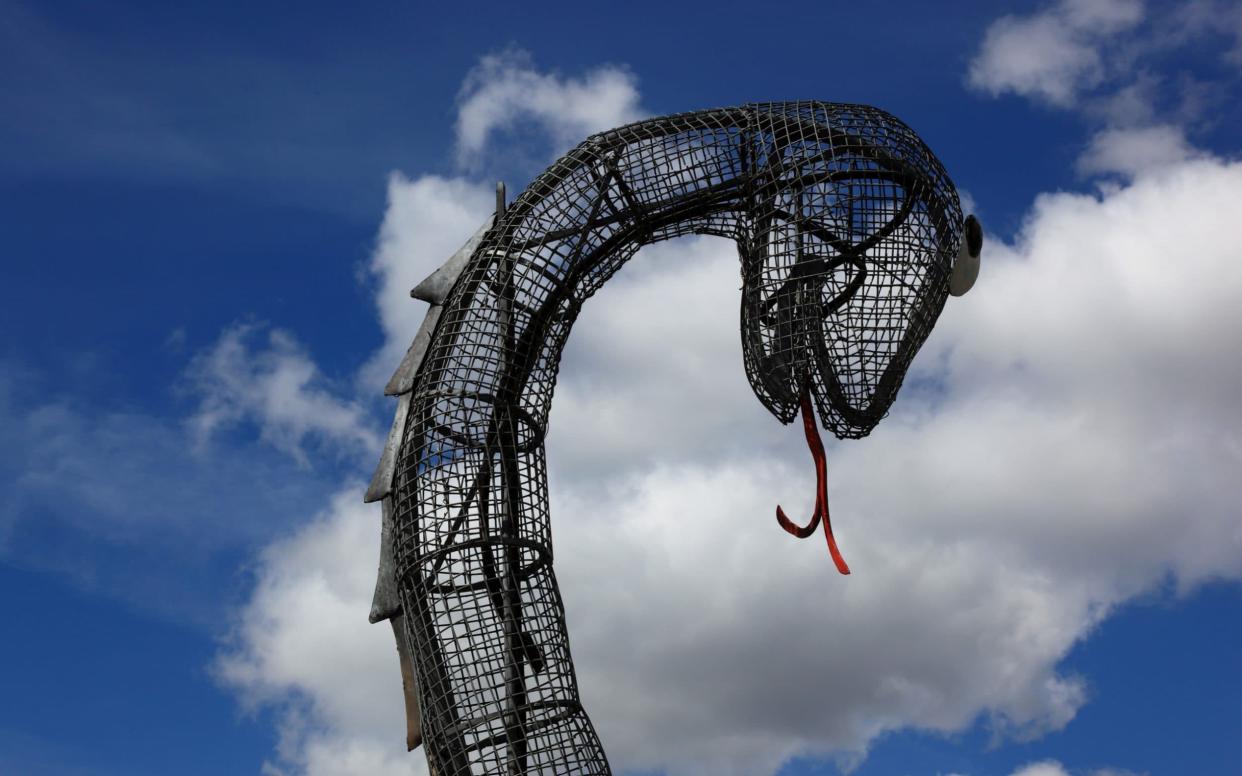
(851, 237)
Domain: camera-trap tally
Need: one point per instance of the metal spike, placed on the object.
(435, 287)
(381, 482)
(409, 687)
(402, 380)
(386, 603)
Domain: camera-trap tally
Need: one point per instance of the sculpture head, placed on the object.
(856, 245)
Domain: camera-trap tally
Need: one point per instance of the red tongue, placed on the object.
(816, 444)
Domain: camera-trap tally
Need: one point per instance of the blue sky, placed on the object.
(212, 214)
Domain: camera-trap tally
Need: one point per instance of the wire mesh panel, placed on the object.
(847, 227)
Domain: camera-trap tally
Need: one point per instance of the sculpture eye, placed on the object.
(966, 268)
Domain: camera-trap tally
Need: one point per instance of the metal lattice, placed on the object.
(847, 227)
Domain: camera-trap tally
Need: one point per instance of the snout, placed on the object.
(842, 319)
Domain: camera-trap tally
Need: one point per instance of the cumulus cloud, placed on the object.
(1132, 151)
(426, 221)
(1045, 768)
(303, 644)
(505, 89)
(1054, 768)
(276, 386)
(1067, 440)
(1119, 63)
(121, 502)
(1052, 55)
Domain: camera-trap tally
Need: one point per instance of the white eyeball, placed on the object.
(966, 268)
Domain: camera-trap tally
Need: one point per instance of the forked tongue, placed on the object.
(816, 444)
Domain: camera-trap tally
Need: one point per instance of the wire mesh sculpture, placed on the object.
(850, 236)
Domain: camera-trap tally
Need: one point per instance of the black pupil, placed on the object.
(974, 236)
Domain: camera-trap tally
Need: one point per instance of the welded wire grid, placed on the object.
(846, 226)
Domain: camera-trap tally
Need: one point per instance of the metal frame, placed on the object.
(847, 228)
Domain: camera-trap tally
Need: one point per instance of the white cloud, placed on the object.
(505, 89)
(1117, 62)
(1132, 151)
(277, 387)
(1045, 768)
(303, 644)
(427, 220)
(1052, 55)
(1054, 768)
(137, 511)
(1068, 440)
